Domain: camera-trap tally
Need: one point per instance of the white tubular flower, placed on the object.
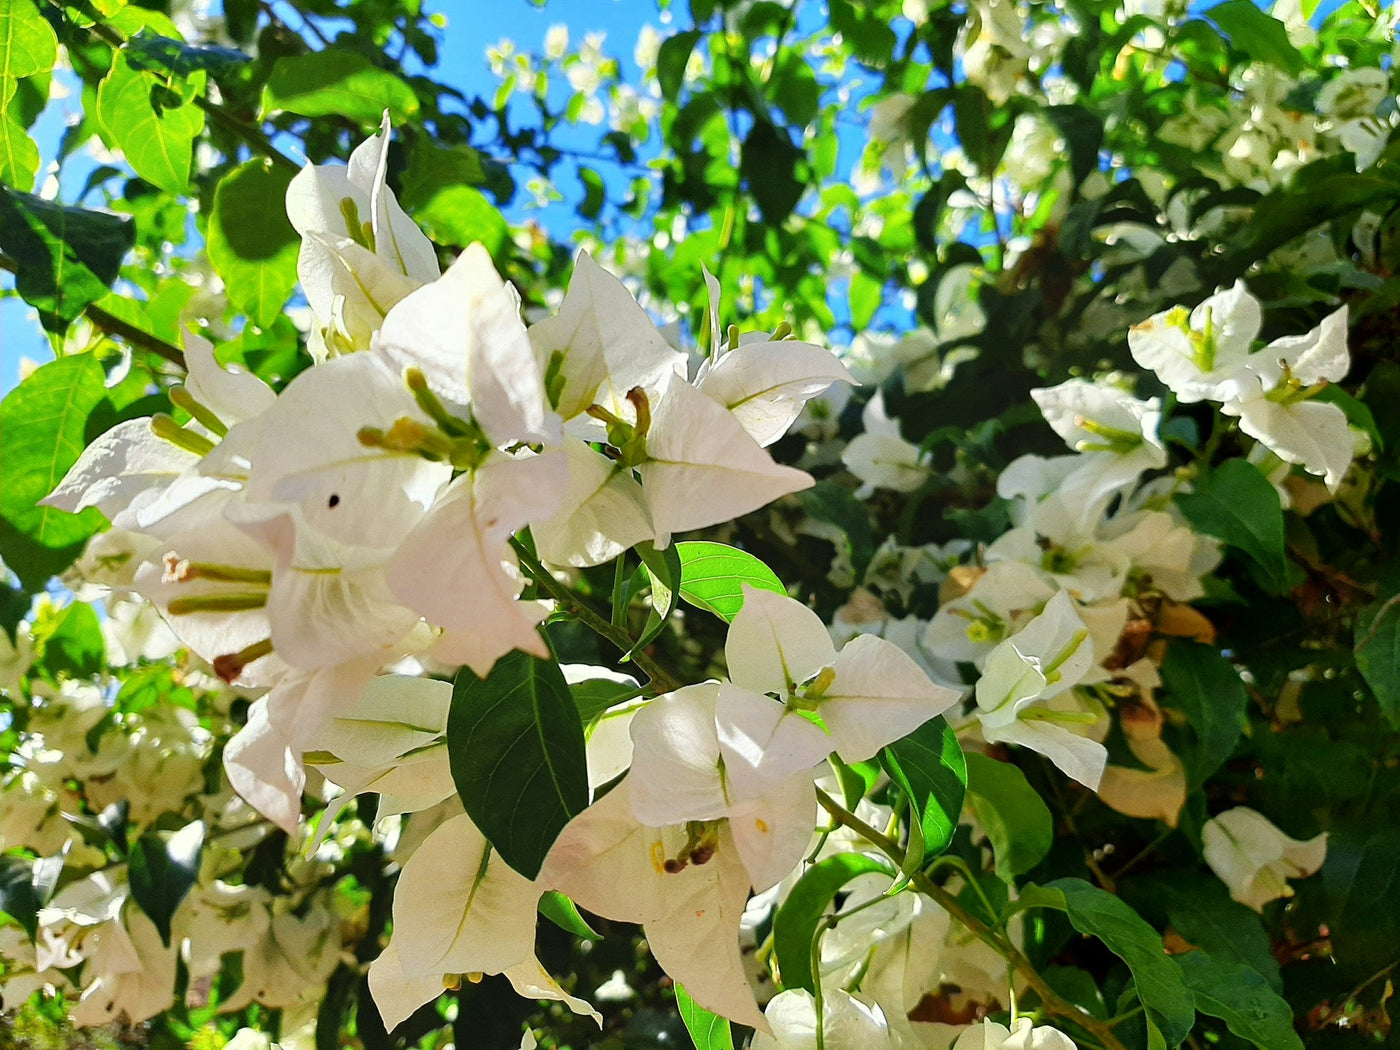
(464, 333)
(1276, 409)
(867, 696)
(766, 384)
(1022, 1035)
(601, 345)
(847, 1023)
(1046, 658)
(1116, 433)
(966, 629)
(686, 887)
(459, 908)
(1255, 859)
(880, 457)
(360, 251)
(1201, 355)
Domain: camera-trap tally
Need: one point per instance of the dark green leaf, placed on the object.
(516, 747)
(149, 51)
(865, 29)
(707, 1031)
(768, 163)
(563, 912)
(1259, 35)
(1377, 644)
(163, 867)
(1235, 503)
(671, 59)
(45, 417)
(1361, 877)
(928, 766)
(1200, 909)
(338, 83)
(18, 897)
(713, 577)
(1083, 131)
(595, 695)
(1159, 984)
(796, 922)
(1012, 813)
(68, 257)
(1242, 999)
(827, 501)
(251, 243)
(594, 193)
(1210, 691)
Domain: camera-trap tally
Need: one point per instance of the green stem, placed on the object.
(662, 681)
(1050, 1000)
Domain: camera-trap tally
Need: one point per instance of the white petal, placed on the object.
(879, 694)
(676, 759)
(602, 512)
(766, 384)
(762, 743)
(230, 393)
(775, 643)
(772, 833)
(119, 466)
(1313, 434)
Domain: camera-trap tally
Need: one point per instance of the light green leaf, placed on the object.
(27, 44)
(1012, 813)
(44, 433)
(1236, 503)
(461, 215)
(1259, 35)
(153, 120)
(19, 156)
(1159, 983)
(1241, 998)
(707, 1031)
(928, 765)
(1209, 690)
(68, 257)
(713, 577)
(516, 748)
(796, 922)
(564, 913)
(75, 647)
(251, 243)
(337, 83)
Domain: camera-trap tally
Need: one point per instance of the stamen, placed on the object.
(197, 603)
(182, 398)
(179, 570)
(164, 427)
(230, 665)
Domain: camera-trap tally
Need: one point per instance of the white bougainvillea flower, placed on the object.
(609, 863)
(603, 512)
(847, 1023)
(766, 384)
(1200, 355)
(601, 344)
(1022, 1035)
(1047, 657)
(678, 775)
(702, 467)
(1117, 433)
(1163, 553)
(967, 628)
(1277, 410)
(464, 333)
(360, 251)
(880, 457)
(458, 909)
(1157, 789)
(456, 567)
(128, 973)
(867, 696)
(127, 465)
(1255, 859)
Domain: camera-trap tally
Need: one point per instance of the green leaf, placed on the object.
(156, 53)
(1377, 647)
(928, 765)
(671, 59)
(1210, 691)
(459, 215)
(18, 897)
(832, 503)
(796, 922)
(516, 748)
(163, 867)
(563, 912)
(1159, 983)
(1235, 503)
(76, 647)
(1083, 131)
(1242, 999)
(19, 156)
(152, 123)
(594, 696)
(27, 44)
(68, 257)
(662, 570)
(1199, 907)
(44, 432)
(1012, 813)
(707, 1031)
(1259, 35)
(337, 83)
(251, 243)
(768, 163)
(713, 577)
(594, 193)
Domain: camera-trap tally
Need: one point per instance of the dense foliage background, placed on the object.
(967, 201)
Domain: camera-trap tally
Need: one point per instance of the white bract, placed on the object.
(1255, 859)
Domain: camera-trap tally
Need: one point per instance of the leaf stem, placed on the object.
(569, 602)
(1050, 1000)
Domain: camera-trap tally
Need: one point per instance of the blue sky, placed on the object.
(472, 26)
